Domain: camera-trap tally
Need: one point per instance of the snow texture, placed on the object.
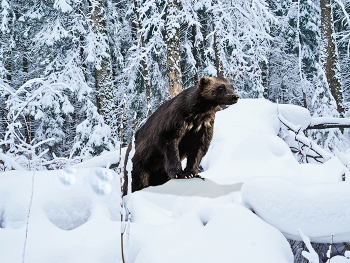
(75, 212)
(320, 210)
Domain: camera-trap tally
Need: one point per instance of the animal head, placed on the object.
(219, 90)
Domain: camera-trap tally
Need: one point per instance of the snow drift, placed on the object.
(320, 210)
(75, 212)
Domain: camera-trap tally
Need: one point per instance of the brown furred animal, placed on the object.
(180, 128)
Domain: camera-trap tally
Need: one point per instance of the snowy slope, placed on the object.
(69, 212)
(75, 213)
(74, 218)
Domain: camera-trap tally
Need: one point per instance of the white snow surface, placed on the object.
(320, 210)
(75, 212)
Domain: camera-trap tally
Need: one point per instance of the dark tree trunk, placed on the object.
(264, 79)
(195, 50)
(329, 57)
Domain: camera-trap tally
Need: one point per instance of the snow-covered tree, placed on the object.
(173, 47)
(93, 134)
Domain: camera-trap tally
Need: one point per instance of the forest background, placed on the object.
(78, 76)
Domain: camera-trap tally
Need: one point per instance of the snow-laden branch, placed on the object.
(329, 122)
(311, 256)
(11, 162)
(45, 87)
(315, 151)
(307, 147)
(7, 89)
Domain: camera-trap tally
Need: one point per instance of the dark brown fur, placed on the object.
(180, 128)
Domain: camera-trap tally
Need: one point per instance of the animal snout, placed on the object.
(235, 97)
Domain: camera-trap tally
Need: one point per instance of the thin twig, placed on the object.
(30, 207)
(121, 172)
(329, 253)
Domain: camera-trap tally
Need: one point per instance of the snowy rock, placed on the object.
(319, 210)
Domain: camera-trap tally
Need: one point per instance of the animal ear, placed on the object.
(228, 79)
(203, 82)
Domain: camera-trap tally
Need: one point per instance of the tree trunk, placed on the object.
(103, 69)
(29, 128)
(218, 62)
(7, 48)
(329, 58)
(195, 51)
(145, 72)
(264, 79)
(173, 47)
(301, 75)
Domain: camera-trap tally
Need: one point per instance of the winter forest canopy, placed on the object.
(78, 76)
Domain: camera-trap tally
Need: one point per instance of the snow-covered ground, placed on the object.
(75, 212)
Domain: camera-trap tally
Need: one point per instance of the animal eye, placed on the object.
(221, 88)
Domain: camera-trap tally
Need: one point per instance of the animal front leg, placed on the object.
(200, 146)
(192, 167)
(172, 161)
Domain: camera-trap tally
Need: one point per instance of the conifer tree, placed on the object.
(101, 57)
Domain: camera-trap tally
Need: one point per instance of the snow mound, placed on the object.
(73, 217)
(192, 228)
(13, 207)
(245, 134)
(299, 116)
(245, 145)
(319, 210)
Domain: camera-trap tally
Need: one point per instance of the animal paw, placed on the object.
(188, 174)
(175, 174)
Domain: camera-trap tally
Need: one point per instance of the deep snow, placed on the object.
(75, 212)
